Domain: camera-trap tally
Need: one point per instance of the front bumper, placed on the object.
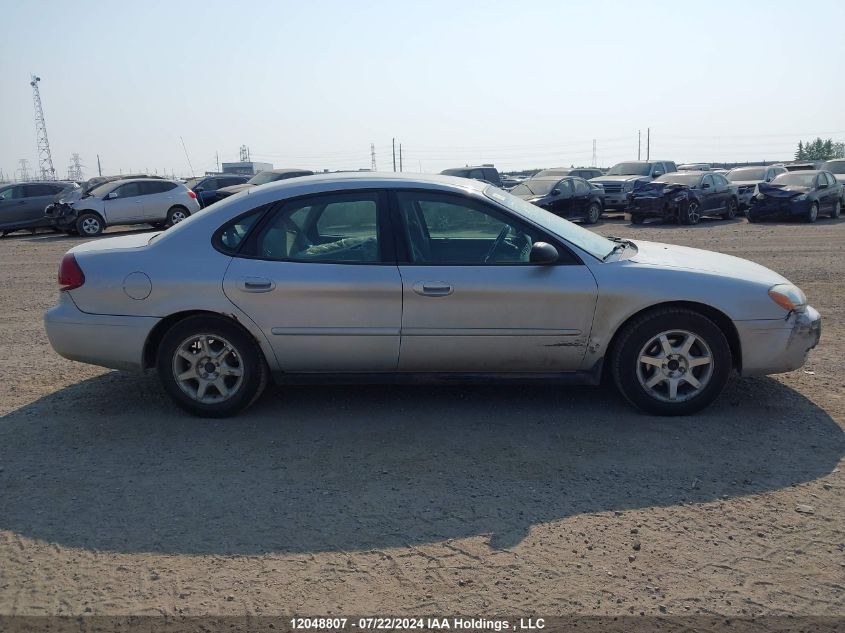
(744, 198)
(616, 200)
(110, 341)
(776, 346)
(60, 215)
(783, 208)
(653, 207)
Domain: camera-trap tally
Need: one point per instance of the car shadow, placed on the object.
(53, 236)
(659, 223)
(110, 464)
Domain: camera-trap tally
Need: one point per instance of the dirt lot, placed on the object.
(424, 500)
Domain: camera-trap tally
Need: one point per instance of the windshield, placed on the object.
(835, 166)
(690, 180)
(630, 169)
(536, 187)
(101, 190)
(747, 173)
(592, 243)
(801, 179)
(263, 178)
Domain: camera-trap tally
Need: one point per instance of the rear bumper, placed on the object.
(775, 346)
(110, 341)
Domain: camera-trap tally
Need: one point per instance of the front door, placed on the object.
(319, 278)
(127, 205)
(472, 302)
(562, 204)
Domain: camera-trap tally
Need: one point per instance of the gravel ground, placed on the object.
(424, 500)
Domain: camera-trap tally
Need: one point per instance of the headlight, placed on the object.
(629, 186)
(800, 198)
(760, 196)
(788, 297)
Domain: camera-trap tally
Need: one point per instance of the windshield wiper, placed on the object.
(621, 245)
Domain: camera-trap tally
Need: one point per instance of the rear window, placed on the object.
(229, 237)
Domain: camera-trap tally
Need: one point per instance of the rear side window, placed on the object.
(581, 187)
(157, 187)
(229, 237)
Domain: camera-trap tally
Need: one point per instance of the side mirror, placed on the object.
(111, 195)
(822, 185)
(199, 189)
(543, 253)
(657, 174)
(555, 192)
(706, 185)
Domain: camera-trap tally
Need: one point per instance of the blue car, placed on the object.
(206, 186)
(799, 195)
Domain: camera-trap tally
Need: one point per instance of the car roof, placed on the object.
(469, 167)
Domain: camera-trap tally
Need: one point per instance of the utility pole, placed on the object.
(593, 164)
(99, 167)
(217, 160)
(400, 156)
(394, 154)
(373, 156)
(639, 143)
(188, 157)
(45, 159)
(23, 169)
(648, 143)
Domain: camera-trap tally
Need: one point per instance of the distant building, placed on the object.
(246, 169)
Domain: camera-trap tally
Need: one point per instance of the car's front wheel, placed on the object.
(671, 361)
(690, 212)
(813, 213)
(211, 367)
(89, 225)
(837, 209)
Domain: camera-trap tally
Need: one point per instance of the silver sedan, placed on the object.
(390, 277)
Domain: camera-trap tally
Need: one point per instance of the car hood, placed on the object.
(233, 189)
(122, 242)
(781, 191)
(618, 178)
(682, 257)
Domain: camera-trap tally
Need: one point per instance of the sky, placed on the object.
(519, 85)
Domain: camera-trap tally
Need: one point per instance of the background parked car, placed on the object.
(684, 197)
(560, 172)
(798, 195)
(152, 201)
(261, 178)
(206, 186)
(836, 167)
(570, 197)
(747, 178)
(22, 204)
(485, 173)
(694, 167)
(622, 177)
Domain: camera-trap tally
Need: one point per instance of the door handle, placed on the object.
(433, 288)
(256, 284)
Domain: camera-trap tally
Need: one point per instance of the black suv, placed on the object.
(487, 173)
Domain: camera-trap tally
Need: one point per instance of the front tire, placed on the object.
(211, 367)
(813, 213)
(637, 219)
(671, 361)
(837, 210)
(690, 212)
(89, 225)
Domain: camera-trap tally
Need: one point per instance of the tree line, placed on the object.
(819, 150)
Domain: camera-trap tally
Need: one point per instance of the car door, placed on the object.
(319, 278)
(723, 190)
(581, 196)
(125, 204)
(826, 192)
(563, 203)
(12, 206)
(472, 302)
(708, 194)
(158, 197)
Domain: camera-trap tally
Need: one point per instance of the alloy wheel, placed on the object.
(177, 216)
(207, 368)
(693, 213)
(91, 226)
(674, 366)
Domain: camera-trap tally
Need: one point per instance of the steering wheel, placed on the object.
(497, 243)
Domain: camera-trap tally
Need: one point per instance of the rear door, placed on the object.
(159, 196)
(472, 302)
(319, 278)
(582, 195)
(127, 206)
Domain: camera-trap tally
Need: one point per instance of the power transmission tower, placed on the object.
(45, 159)
(74, 170)
(244, 154)
(372, 156)
(23, 169)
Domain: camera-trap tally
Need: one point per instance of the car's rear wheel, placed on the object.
(671, 361)
(175, 215)
(211, 367)
(593, 213)
(690, 212)
(837, 209)
(730, 211)
(637, 219)
(813, 213)
(89, 225)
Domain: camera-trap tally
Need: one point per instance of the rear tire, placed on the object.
(89, 225)
(176, 214)
(813, 213)
(690, 213)
(593, 213)
(211, 367)
(730, 212)
(637, 219)
(671, 361)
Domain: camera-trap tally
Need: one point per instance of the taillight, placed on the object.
(192, 194)
(70, 274)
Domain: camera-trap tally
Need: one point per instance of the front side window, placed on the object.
(707, 182)
(449, 229)
(6, 194)
(565, 187)
(128, 190)
(340, 228)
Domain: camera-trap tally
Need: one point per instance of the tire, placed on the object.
(218, 333)
(89, 225)
(159, 225)
(176, 214)
(690, 213)
(837, 209)
(640, 339)
(730, 212)
(593, 213)
(751, 217)
(637, 219)
(813, 213)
